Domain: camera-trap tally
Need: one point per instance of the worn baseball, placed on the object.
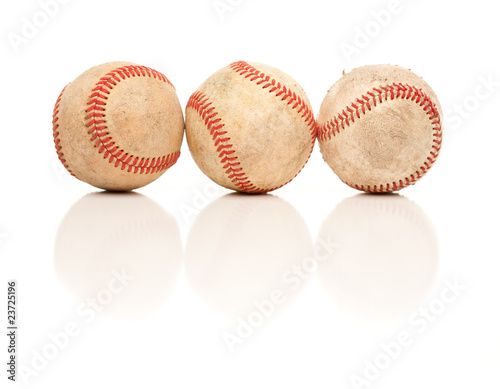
(118, 126)
(250, 127)
(380, 128)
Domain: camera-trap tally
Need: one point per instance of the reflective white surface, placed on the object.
(122, 249)
(387, 256)
(242, 247)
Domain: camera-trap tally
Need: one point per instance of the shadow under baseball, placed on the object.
(386, 256)
(122, 250)
(242, 247)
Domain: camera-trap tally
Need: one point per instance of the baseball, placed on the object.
(118, 126)
(380, 128)
(250, 127)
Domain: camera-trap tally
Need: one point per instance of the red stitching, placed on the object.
(376, 96)
(55, 133)
(245, 69)
(96, 123)
(199, 102)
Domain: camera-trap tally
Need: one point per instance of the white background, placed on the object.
(201, 258)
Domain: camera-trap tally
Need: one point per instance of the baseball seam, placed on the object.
(376, 96)
(55, 133)
(201, 104)
(96, 122)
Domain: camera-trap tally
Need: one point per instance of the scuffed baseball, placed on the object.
(380, 128)
(118, 126)
(250, 127)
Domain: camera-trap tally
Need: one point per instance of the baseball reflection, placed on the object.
(386, 255)
(118, 253)
(242, 248)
